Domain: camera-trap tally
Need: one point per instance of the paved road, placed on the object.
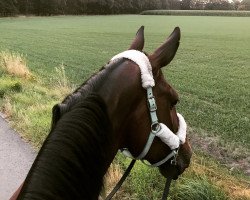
(16, 157)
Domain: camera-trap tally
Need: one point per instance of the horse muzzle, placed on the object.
(183, 162)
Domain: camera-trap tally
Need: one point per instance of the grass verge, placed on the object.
(27, 102)
(14, 64)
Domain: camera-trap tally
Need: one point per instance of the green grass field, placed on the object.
(211, 72)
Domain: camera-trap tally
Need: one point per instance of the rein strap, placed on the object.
(123, 178)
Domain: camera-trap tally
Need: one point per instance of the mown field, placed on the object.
(211, 73)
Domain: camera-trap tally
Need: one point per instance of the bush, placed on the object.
(9, 85)
(197, 13)
(14, 64)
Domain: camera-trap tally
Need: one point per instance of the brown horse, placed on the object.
(107, 113)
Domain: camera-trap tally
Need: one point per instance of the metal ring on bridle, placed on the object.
(155, 127)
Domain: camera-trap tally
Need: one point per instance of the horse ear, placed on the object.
(138, 42)
(166, 52)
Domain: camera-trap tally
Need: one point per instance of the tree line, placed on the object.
(79, 7)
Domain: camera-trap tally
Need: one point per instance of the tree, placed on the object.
(8, 7)
(25, 6)
(218, 5)
(173, 4)
(185, 4)
(244, 5)
(198, 4)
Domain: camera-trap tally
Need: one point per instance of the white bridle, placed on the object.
(157, 129)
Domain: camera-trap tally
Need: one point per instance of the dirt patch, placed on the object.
(233, 156)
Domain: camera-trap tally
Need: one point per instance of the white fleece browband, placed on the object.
(143, 62)
(165, 134)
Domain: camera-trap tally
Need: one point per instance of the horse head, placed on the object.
(127, 103)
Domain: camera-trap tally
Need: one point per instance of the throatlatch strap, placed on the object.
(146, 147)
(172, 154)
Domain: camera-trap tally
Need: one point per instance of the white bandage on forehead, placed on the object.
(143, 62)
(171, 139)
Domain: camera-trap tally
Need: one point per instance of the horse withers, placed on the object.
(128, 105)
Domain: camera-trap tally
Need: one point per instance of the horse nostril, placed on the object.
(181, 166)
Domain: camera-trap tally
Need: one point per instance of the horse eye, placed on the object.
(173, 104)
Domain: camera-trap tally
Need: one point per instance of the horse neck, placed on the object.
(75, 156)
(119, 85)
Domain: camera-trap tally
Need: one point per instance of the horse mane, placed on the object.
(73, 158)
(82, 91)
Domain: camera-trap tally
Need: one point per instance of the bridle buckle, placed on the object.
(174, 160)
(152, 104)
